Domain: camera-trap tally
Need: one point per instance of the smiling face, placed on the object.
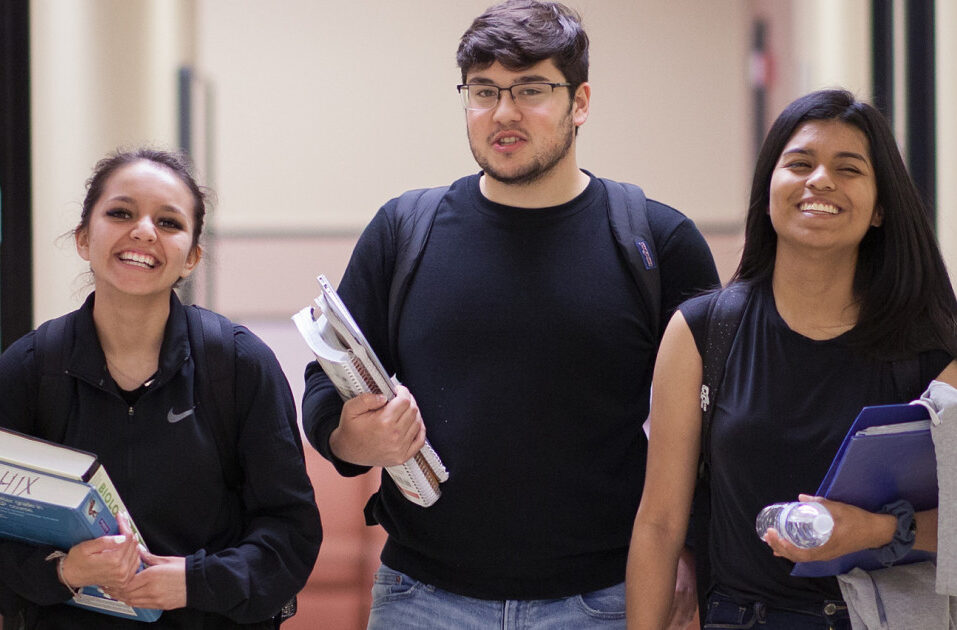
(522, 145)
(823, 190)
(139, 238)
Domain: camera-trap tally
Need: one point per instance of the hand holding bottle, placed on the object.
(853, 529)
(803, 524)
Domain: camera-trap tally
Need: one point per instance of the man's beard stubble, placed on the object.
(541, 164)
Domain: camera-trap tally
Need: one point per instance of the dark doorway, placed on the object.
(16, 251)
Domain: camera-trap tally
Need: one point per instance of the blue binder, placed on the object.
(876, 467)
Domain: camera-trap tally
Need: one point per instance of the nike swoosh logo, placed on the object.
(173, 418)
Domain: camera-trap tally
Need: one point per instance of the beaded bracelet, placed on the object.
(904, 534)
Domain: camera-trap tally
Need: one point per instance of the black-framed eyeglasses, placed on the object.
(486, 96)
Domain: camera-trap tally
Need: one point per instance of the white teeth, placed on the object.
(816, 206)
(509, 140)
(141, 259)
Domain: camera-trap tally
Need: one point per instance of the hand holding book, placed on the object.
(51, 494)
(106, 562)
(375, 431)
(350, 363)
(161, 584)
(888, 454)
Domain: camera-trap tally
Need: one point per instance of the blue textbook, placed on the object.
(40, 506)
(888, 454)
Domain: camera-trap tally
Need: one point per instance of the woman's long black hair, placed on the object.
(906, 299)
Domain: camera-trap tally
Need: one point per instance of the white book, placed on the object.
(352, 366)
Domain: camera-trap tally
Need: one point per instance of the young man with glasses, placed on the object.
(527, 350)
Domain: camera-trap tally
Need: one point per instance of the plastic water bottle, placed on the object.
(804, 525)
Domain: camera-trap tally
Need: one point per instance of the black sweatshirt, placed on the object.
(528, 349)
(245, 555)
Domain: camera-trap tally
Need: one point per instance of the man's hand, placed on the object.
(372, 432)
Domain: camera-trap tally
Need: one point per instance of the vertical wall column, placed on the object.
(946, 99)
(882, 56)
(834, 45)
(921, 99)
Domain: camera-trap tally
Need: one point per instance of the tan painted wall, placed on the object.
(103, 75)
(326, 109)
(320, 110)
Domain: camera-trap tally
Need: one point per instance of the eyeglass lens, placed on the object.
(479, 96)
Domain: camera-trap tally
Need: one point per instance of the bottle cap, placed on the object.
(823, 523)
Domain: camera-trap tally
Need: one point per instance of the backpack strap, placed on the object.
(723, 319)
(628, 216)
(56, 388)
(414, 214)
(213, 348)
(212, 344)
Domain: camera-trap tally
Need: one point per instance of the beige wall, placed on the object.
(103, 74)
(320, 110)
(834, 40)
(816, 44)
(324, 110)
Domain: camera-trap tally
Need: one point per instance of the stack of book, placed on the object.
(55, 495)
(352, 366)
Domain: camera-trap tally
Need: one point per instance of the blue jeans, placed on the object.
(399, 602)
(725, 614)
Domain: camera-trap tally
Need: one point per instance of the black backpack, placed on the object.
(627, 215)
(723, 319)
(213, 349)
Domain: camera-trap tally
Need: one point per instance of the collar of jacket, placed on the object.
(88, 362)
